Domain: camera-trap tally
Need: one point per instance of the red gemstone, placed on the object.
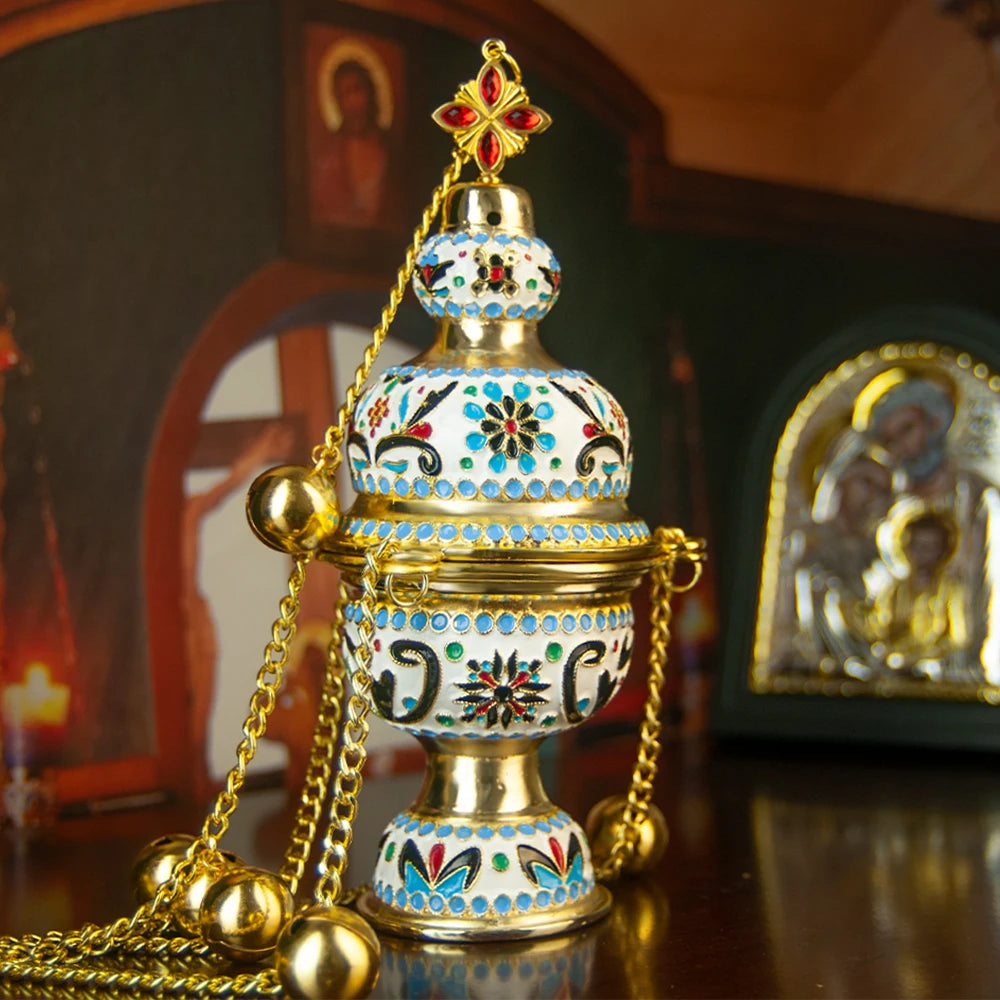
(434, 858)
(459, 116)
(491, 85)
(591, 430)
(427, 271)
(523, 119)
(496, 274)
(557, 853)
(510, 427)
(421, 430)
(489, 149)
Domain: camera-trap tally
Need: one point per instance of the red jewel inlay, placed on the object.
(496, 274)
(511, 427)
(491, 85)
(489, 149)
(421, 430)
(435, 856)
(523, 119)
(428, 271)
(460, 116)
(557, 853)
(591, 430)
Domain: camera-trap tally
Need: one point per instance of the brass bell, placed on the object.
(243, 913)
(156, 862)
(602, 822)
(187, 906)
(327, 953)
(292, 508)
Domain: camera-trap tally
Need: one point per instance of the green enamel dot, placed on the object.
(445, 720)
(500, 862)
(555, 463)
(459, 281)
(470, 390)
(553, 651)
(466, 463)
(543, 389)
(454, 651)
(389, 852)
(548, 720)
(531, 284)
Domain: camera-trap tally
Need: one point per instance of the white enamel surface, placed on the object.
(454, 272)
(487, 675)
(537, 443)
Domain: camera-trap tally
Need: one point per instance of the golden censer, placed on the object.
(486, 567)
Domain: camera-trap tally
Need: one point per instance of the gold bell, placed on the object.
(603, 821)
(156, 862)
(327, 953)
(243, 913)
(187, 906)
(292, 508)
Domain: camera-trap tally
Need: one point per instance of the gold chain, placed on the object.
(58, 960)
(673, 545)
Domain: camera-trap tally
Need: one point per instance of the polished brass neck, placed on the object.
(471, 342)
(478, 207)
(485, 779)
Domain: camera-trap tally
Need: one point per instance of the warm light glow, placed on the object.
(36, 701)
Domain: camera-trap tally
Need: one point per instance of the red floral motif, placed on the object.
(377, 412)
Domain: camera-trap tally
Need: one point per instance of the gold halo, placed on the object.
(891, 534)
(352, 50)
(877, 387)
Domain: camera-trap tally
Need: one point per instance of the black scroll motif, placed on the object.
(408, 653)
(624, 656)
(357, 440)
(587, 654)
(598, 433)
(415, 432)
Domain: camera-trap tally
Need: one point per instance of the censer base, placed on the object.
(580, 913)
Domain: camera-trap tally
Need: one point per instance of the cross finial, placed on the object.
(491, 117)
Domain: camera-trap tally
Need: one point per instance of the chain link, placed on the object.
(674, 545)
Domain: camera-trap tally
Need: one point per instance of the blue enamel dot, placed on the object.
(383, 485)
(411, 826)
(507, 832)
(523, 240)
(447, 532)
(436, 372)
(480, 905)
(560, 532)
(607, 488)
(613, 619)
(422, 488)
(453, 309)
(387, 894)
(586, 622)
(626, 531)
(381, 617)
(513, 311)
(569, 623)
(398, 619)
(485, 832)
(460, 238)
(481, 237)
(597, 532)
(400, 820)
(425, 829)
(490, 489)
(471, 532)
(418, 620)
(576, 489)
(456, 904)
(462, 623)
(502, 238)
(404, 530)
(425, 530)
(536, 489)
(436, 903)
(531, 312)
(506, 623)
(528, 624)
(612, 530)
(355, 524)
(401, 899)
(484, 623)
(574, 890)
(593, 488)
(443, 489)
(467, 488)
(579, 532)
(417, 901)
(526, 829)
(370, 483)
(539, 532)
(543, 898)
(494, 310)
(495, 533)
(523, 901)
(543, 827)
(550, 623)
(463, 832)
(559, 895)
(517, 533)
(439, 622)
(444, 830)
(475, 372)
(502, 905)
(556, 821)
(514, 488)
(384, 529)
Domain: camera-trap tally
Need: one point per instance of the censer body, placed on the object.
(499, 477)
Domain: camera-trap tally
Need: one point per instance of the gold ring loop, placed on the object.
(406, 600)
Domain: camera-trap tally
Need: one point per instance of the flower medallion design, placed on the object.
(555, 869)
(495, 273)
(510, 426)
(434, 876)
(499, 692)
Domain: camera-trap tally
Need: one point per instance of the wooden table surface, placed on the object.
(791, 872)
